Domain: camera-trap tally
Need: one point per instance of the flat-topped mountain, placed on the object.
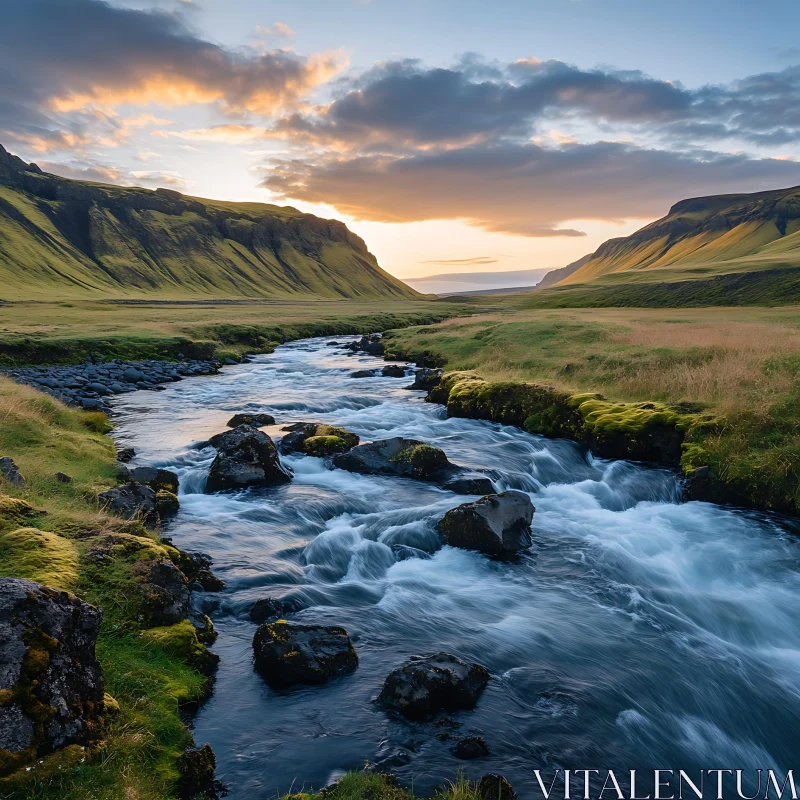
(72, 239)
(700, 238)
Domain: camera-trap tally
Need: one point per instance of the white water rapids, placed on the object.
(638, 632)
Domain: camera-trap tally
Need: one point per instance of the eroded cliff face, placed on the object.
(83, 239)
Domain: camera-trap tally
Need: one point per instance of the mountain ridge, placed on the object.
(700, 237)
(81, 239)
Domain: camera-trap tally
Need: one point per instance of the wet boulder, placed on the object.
(131, 501)
(51, 683)
(154, 477)
(317, 439)
(371, 344)
(10, 472)
(393, 371)
(197, 569)
(256, 420)
(471, 747)
(266, 609)
(126, 454)
(495, 787)
(363, 373)
(498, 524)
(246, 457)
(166, 594)
(406, 458)
(469, 484)
(427, 685)
(288, 654)
(426, 379)
(167, 504)
(196, 769)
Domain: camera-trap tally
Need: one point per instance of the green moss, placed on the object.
(324, 445)
(350, 439)
(182, 640)
(39, 556)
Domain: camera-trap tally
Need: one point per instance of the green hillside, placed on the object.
(74, 239)
(702, 238)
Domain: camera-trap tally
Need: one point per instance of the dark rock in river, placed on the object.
(271, 608)
(427, 685)
(471, 747)
(196, 769)
(287, 654)
(167, 504)
(363, 373)
(51, 683)
(11, 473)
(166, 594)
(246, 457)
(131, 501)
(317, 439)
(498, 524)
(256, 420)
(197, 569)
(469, 484)
(406, 458)
(393, 371)
(495, 787)
(425, 379)
(126, 454)
(157, 479)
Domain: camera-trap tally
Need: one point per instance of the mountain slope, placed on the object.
(700, 238)
(556, 275)
(66, 238)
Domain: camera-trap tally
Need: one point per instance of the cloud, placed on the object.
(279, 30)
(521, 188)
(62, 58)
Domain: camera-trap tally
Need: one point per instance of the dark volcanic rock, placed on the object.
(10, 472)
(270, 608)
(196, 769)
(256, 420)
(167, 594)
(126, 454)
(317, 439)
(157, 479)
(469, 484)
(471, 747)
(393, 371)
(62, 477)
(131, 501)
(498, 524)
(407, 458)
(495, 787)
(427, 685)
(167, 504)
(197, 569)
(51, 683)
(363, 373)
(287, 654)
(426, 379)
(246, 457)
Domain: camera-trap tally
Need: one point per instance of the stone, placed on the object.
(300, 435)
(393, 371)
(133, 375)
(321, 446)
(10, 472)
(256, 420)
(197, 569)
(498, 524)
(469, 484)
(167, 504)
(47, 663)
(196, 769)
(471, 747)
(126, 454)
(426, 379)
(131, 501)
(406, 458)
(287, 654)
(271, 608)
(495, 787)
(62, 477)
(427, 685)
(246, 457)
(156, 478)
(166, 593)
(363, 373)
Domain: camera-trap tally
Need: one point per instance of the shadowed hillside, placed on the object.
(64, 238)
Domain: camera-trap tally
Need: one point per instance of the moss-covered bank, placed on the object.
(53, 533)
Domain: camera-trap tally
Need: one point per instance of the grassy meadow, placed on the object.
(741, 365)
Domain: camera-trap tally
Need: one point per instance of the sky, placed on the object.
(454, 136)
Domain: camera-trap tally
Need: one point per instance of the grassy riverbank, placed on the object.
(68, 332)
(739, 366)
(53, 532)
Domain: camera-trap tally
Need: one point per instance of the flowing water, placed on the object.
(638, 632)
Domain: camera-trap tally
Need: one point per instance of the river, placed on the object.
(638, 632)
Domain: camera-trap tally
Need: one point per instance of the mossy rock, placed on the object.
(350, 439)
(324, 445)
(14, 511)
(39, 556)
(424, 459)
(181, 640)
(167, 504)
